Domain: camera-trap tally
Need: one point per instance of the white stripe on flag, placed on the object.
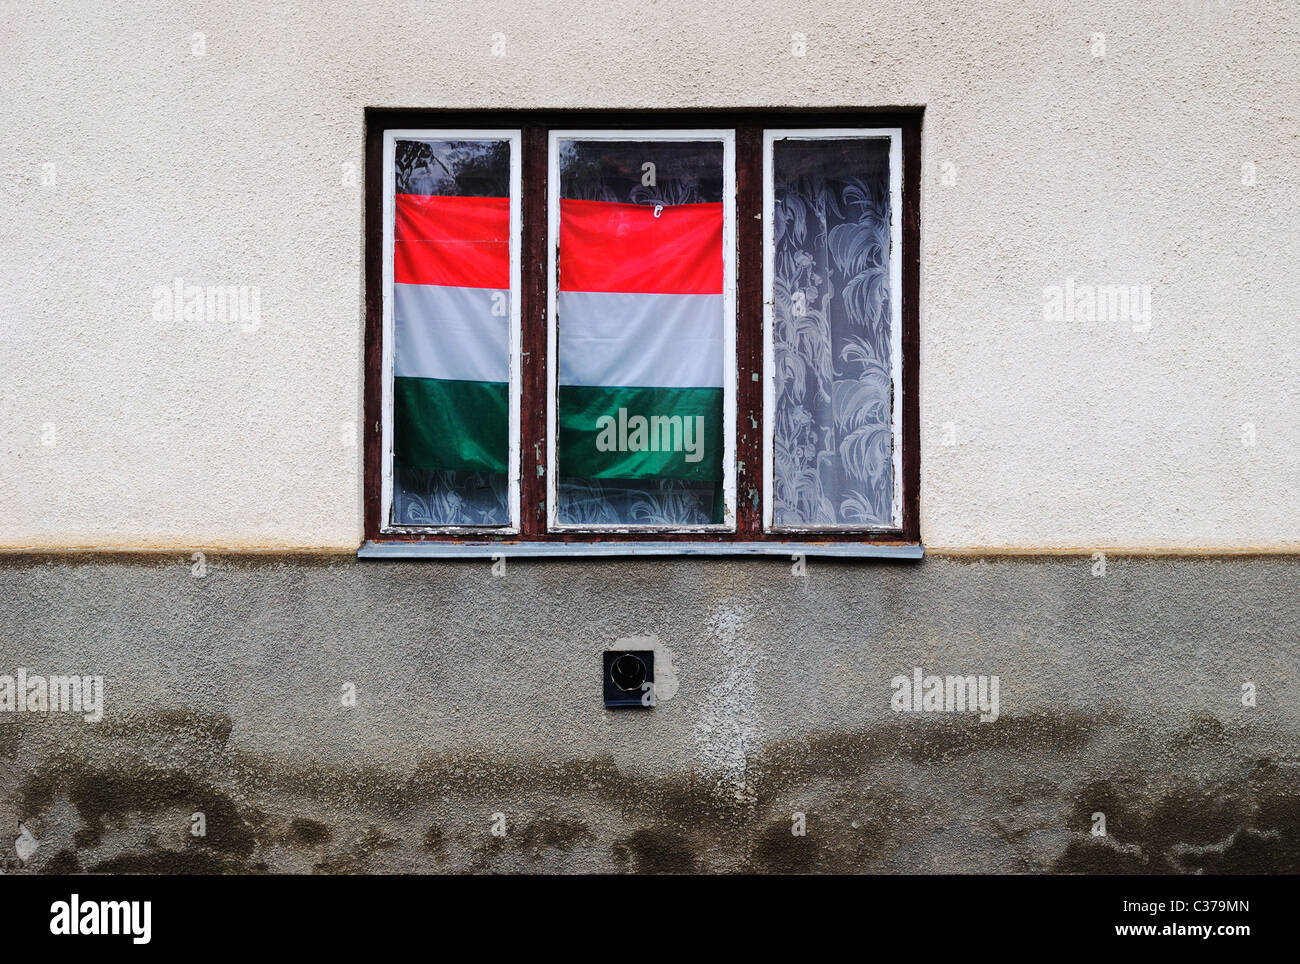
(445, 332)
(640, 340)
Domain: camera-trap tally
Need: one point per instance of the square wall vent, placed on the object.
(630, 678)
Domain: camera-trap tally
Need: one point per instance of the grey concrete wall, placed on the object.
(1120, 694)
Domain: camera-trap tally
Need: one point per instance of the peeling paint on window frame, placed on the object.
(751, 534)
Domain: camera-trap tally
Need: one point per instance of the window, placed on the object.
(833, 346)
(451, 329)
(642, 313)
(599, 330)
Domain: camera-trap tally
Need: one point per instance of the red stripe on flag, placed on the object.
(624, 247)
(462, 242)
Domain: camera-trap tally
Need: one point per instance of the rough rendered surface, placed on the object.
(222, 144)
(478, 695)
(1042, 163)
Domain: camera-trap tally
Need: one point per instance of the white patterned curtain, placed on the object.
(832, 431)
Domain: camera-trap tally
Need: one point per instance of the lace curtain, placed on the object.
(832, 423)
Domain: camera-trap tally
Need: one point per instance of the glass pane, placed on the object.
(640, 318)
(451, 332)
(832, 424)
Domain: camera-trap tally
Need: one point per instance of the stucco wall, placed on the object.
(1043, 162)
(1120, 694)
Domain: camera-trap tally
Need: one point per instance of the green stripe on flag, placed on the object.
(638, 433)
(445, 424)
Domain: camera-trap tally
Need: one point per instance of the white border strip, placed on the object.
(391, 137)
(728, 139)
(895, 137)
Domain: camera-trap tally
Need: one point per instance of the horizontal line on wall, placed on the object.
(172, 548)
(516, 550)
(84, 551)
(1151, 551)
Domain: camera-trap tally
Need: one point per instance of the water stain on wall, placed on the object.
(905, 795)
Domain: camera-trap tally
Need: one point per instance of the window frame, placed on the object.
(515, 138)
(532, 437)
(894, 135)
(728, 141)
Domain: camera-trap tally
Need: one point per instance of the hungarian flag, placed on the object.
(451, 315)
(640, 316)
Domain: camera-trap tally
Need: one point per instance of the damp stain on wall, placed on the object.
(935, 796)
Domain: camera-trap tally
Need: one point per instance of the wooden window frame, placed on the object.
(749, 126)
(388, 223)
(726, 138)
(893, 136)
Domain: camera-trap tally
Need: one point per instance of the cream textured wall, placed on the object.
(1042, 162)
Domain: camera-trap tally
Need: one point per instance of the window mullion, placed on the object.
(749, 332)
(534, 281)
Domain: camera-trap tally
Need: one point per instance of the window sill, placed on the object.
(555, 550)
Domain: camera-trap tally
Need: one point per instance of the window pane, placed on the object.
(641, 333)
(832, 333)
(451, 332)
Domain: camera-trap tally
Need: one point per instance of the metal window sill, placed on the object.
(558, 550)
